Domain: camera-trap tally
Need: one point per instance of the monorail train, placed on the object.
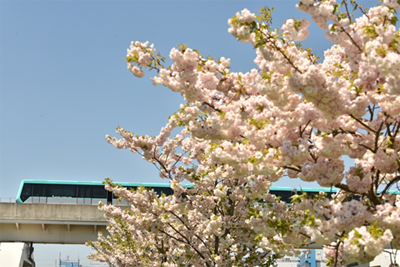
(77, 192)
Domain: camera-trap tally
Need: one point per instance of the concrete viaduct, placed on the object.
(50, 223)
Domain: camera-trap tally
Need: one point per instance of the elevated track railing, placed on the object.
(7, 199)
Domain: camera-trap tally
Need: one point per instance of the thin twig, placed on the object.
(377, 137)
(351, 39)
(268, 38)
(347, 10)
(362, 123)
(392, 182)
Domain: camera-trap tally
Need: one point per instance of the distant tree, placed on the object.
(291, 116)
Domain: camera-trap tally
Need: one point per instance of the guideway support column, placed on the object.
(16, 255)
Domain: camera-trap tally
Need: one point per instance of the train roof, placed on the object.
(70, 182)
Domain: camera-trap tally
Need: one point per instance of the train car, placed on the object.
(76, 192)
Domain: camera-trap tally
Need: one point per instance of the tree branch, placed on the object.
(362, 123)
(392, 182)
(351, 39)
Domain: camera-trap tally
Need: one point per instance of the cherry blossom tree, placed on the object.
(293, 115)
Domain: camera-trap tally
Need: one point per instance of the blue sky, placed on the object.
(64, 83)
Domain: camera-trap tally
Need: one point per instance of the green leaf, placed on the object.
(260, 108)
(370, 30)
(183, 47)
(394, 19)
(382, 51)
(258, 124)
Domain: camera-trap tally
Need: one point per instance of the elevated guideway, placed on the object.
(60, 224)
(50, 223)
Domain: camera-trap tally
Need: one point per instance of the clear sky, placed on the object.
(64, 83)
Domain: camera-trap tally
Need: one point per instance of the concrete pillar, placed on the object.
(16, 255)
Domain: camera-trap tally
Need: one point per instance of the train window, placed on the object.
(62, 190)
(131, 187)
(39, 190)
(99, 192)
(26, 192)
(84, 191)
(166, 190)
(285, 195)
(159, 190)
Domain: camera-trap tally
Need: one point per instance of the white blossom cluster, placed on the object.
(240, 132)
